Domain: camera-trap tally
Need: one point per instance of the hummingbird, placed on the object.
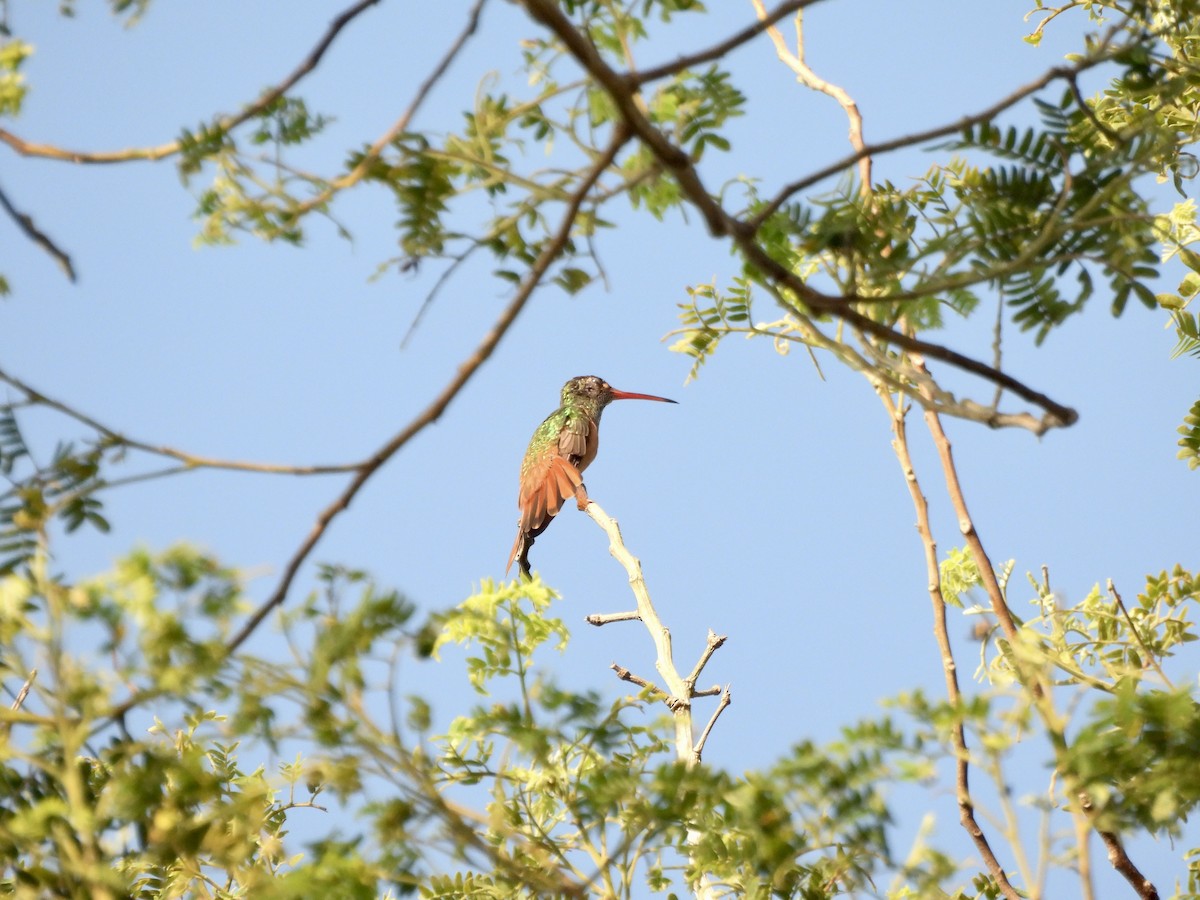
(561, 448)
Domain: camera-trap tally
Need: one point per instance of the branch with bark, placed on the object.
(622, 89)
(898, 412)
(224, 123)
(29, 228)
(1030, 679)
(546, 258)
(679, 691)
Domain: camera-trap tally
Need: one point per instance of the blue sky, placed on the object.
(767, 506)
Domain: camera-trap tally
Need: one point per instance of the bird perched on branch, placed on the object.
(562, 447)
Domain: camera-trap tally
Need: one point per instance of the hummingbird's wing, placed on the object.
(573, 439)
(547, 485)
(549, 480)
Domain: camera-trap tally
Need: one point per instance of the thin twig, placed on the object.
(715, 642)
(919, 137)
(810, 79)
(466, 370)
(983, 563)
(726, 699)
(224, 124)
(1083, 854)
(625, 675)
(1030, 679)
(605, 618)
(1053, 14)
(15, 715)
(962, 788)
(1113, 136)
(1137, 635)
(190, 460)
(400, 125)
(998, 343)
(717, 51)
(24, 692)
(26, 224)
(427, 302)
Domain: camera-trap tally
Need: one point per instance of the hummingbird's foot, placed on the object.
(523, 556)
(581, 497)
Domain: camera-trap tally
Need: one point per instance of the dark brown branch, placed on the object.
(1091, 113)
(962, 785)
(716, 51)
(1124, 865)
(39, 237)
(225, 123)
(190, 460)
(433, 412)
(721, 223)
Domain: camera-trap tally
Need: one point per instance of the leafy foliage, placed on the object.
(62, 489)
(13, 54)
(141, 757)
(1189, 443)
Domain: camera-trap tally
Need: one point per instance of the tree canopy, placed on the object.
(181, 726)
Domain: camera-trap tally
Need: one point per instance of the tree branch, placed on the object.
(716, 51)
(679, 692)
(39, 237)
(1137, 635)
(1067, 73)
(715, 642)
(1030, 680)
(810, 79)
(599, 619)
(625, 675)
(726, 699)
(720, 222)
(225, 123)
(962, 788)
(433, 412)
(190, 460)
(400, 125)
(1121, 862)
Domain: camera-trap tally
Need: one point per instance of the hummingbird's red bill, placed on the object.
(629, 395)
